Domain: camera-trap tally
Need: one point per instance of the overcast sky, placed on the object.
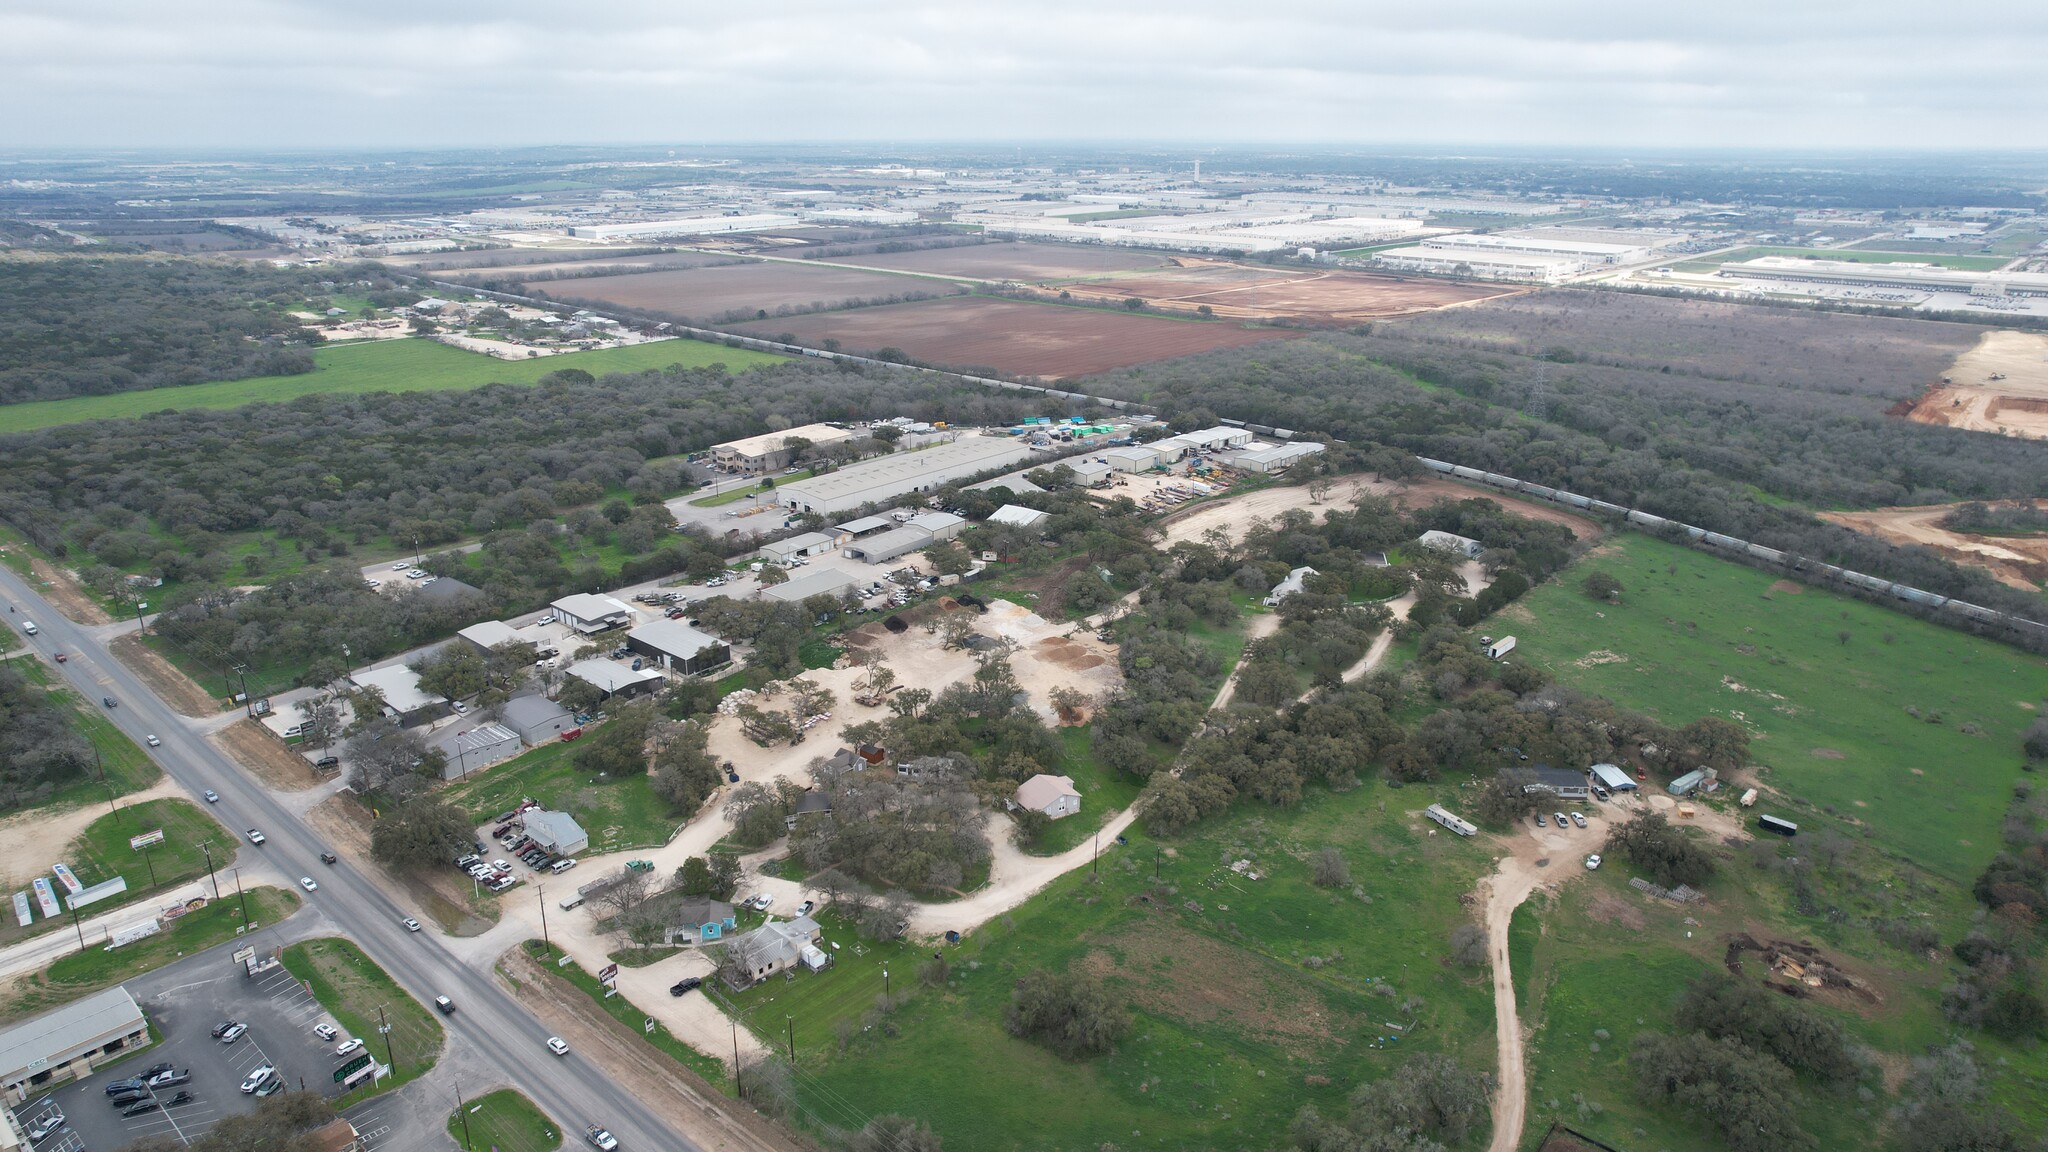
(1641, 73)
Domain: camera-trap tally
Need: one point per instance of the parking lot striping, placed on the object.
(69, 1141)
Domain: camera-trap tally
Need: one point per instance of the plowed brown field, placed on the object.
(1013, 337)
(708, 294)
(1260, 293)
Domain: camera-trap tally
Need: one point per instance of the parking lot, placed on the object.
(280, 1016)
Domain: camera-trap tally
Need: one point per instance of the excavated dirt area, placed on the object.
(2014, 404)
(2016, 561)
(170, 685)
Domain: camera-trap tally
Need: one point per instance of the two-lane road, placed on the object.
(487, 1021)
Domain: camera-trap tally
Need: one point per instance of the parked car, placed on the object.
(48, 1124)
(170, 1079)
(180, 1098)
(132, 1084)
(325, 1031)
(1579, 818)
(686, 984)
(348, 1046)
(1540, 823)
(221, 1028)
(270, 1087)
(461, 708)
(153, 1071)
(557, 1046)
(152, 741)
(1559, 817)
(468, 859)
(234, 1032)
(401, 565)
(1593, 862)
(125, 1099)
(255, 1079)
(255, 837)
(140, 1107)
(762, 901)
(804, 909)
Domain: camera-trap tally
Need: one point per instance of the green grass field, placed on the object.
(1959, 262)
(1103, 794)
(353, 988)
(1829, 688)
(85, 972)
(618, 814)
(378, 366)
(739, 494)
(710, 1068)
(503, 1121)
(103, 852)
(1251, 998)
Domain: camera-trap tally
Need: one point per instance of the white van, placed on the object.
(572, 902)
(29, 626)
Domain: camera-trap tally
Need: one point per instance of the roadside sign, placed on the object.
(359, 1062)
(244, 955)
(608, 973)
(649, 1026)
(153, 836)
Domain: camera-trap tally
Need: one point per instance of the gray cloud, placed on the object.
(266, 73)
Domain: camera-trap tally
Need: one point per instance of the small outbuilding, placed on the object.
(1613, 778)
(1055, 796)
(1451, 542)
(704, 920)
(536, 719)
(802, 546)
(1295, 581)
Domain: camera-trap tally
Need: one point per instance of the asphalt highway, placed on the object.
(501, 1035)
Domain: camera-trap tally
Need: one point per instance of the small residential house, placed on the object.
(558, 832)
(1288, 587)
(1055, 796)
(772, 947)
(1561, 783)
(704, 920)
(808, 804)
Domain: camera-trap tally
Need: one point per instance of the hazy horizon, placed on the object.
(1471, 75)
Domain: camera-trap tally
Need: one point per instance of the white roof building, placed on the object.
(403, 696)
(614, 677)
(489, 634)
(1451, 542)
(899, 474)
(827, 583)
(1018, 516)
(770, 449)
(1295, 581)
(69, 1041)
(587, 613)
(802, 545)
(1131, 458)
(1267, 460)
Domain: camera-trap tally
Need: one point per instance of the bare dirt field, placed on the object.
(62, 590)
(2017, 561)
(485, 258)
(732, 289)
(29, 838)
(2016, 405)
(587, 262)
(1013, 261)
(1014, 337)
(1234, 513)
(266, 757)
(1239, 291)
(170, 685)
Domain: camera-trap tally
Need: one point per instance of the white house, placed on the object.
(1451, 542)
(1288, 587)
(1055, 796)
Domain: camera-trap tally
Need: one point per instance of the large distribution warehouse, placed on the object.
(900, 474)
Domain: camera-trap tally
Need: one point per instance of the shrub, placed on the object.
(1069, 1013)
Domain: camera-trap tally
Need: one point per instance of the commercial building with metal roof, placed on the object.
(827, 583)
(771, 450)
(478, 748)
(802, 545)
(587, 613)
(899, 474)
(1613, 778)
(678, 647)
(614, 678)
(1018, 516)
(489, 634)
(69, 1042)
(1131, 458)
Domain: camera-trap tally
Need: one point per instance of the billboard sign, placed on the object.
(153, 836)
(608, 973)
(353, 1066)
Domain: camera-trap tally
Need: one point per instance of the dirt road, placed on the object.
(1502, 893)
(2016, 561)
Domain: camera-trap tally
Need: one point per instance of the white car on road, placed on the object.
(309, 884)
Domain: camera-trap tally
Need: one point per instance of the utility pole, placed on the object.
(139, 606)
(100, 767)
(209, 867)
(240, 897)
(541, 891)
(738, 1085)
(248, 702)
(462, 1110)
(885, 979)
(1095, 861)
(384, 1027)
(792, 1039)
(80, 929)
(152, 869)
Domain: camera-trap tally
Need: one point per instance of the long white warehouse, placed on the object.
(889, 477)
